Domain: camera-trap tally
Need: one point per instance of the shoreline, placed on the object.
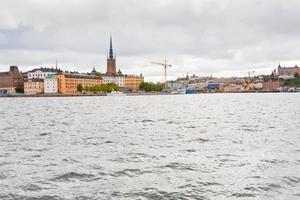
(130, 94)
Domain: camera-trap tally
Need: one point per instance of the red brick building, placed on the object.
(272, 85)
(288, 71)
(11, 80)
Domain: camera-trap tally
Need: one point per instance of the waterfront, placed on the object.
(207, 146)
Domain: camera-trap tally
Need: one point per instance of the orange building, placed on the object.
(34, 86)
(132, 82)
(68, 82)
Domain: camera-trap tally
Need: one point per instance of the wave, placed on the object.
(152, 193)
(178, 166)
(129, 172)
(73, 175)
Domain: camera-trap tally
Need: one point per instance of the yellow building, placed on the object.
(132, 82)
(68, 82)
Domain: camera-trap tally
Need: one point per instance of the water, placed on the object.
(217, 146)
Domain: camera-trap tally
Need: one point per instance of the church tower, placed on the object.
(111, 61)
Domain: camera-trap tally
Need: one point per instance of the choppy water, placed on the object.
(219, 146)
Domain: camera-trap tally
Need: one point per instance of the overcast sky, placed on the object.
(203, 37)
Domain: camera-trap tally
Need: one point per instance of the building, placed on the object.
(11, 80)
(285, 72)
(68, 82)
(42, 72)
(272, 85)
(120, 79)
(111, 61)
(175, 85)
(51, 84)
(132, 82)
(33, 86)
(108, 78)
(215, 86)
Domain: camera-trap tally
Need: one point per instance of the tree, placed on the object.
(79, 87)
(150, 87)
(296, 75)
(19, 90)
(97, 74)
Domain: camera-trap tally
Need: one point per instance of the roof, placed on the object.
(45, 70)
(11, 69)
(83, 76)
(51, 76)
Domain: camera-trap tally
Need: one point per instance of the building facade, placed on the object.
(288, 71)
(51, 84)
(11, 80)
(272, 85)
(68, 82)
(120, 81)
(34, 86)
(108, 79)
(132, 82)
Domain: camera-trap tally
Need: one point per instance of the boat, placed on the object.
(116, 93)
(182, 91)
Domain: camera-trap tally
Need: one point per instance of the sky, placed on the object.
(203, 37)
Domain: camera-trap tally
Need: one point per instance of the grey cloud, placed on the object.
(200, 36)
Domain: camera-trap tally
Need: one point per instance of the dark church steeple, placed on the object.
(111, 60)
(111, 53)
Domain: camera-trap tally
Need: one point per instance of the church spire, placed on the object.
(111, 54)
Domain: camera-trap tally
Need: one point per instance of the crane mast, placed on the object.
(165, 65)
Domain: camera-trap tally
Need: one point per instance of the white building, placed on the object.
(42, 73)
(51, 84)
(120, 81)
(108, 79)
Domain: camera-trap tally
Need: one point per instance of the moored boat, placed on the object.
(116, 93)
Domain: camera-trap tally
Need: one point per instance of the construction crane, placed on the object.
(249, 74)
(165, 65)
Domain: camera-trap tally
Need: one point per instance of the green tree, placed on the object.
(79, 87)
(150, 87)
(19, 90)
(98, 74)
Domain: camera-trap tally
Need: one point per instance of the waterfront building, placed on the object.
(120, 79)
(51, 84)
(215, 86)
(33, 86)
(11, 80)
(232, 88)
(108, 78)
(198, 86)
(272, 85)
(175, 85)
(42, 72)
(132, 82)
(68, 82)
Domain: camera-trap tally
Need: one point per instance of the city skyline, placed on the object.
(224, 38)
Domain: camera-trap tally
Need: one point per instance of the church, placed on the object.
(125, 82)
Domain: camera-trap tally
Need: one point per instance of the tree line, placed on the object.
(148, 87)
(108, 87)
(295, 82)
